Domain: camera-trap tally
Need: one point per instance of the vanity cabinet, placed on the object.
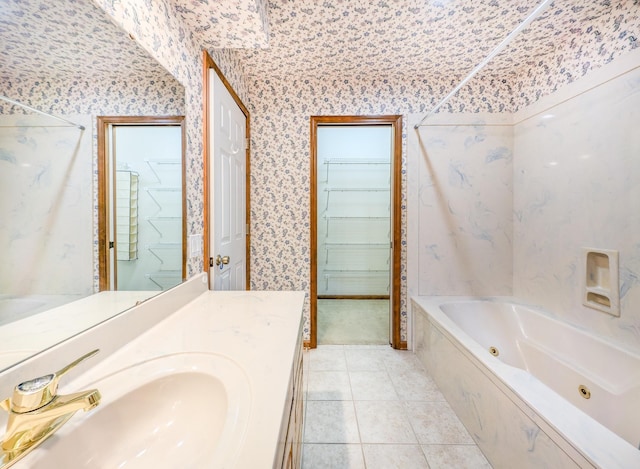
(290, 440)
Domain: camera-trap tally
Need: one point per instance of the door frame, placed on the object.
(395, 121)
(104, 203)
(208, 65)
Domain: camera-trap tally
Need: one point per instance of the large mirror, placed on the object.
(67, 59)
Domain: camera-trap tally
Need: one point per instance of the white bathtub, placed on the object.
(14, 308)
(527, 406)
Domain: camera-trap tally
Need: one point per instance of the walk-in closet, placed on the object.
(353, 233)
(146, 221)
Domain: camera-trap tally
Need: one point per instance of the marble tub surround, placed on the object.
(256, 330)
(460, 206)
(515, 418)
(503, 204)
(577, 171)
(47, 212)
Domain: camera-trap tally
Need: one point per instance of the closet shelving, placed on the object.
(354, 240)
(152, 191)
(165, 223)
(164, 279)
(156, 223)
(159, 163)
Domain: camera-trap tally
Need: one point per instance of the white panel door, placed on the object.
(228, 202)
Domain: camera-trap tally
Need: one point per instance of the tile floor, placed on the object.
(374, 407)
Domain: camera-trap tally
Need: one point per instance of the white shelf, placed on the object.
(353, 161)
(357, 213)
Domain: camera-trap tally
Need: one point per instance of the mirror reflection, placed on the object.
(71, 61)
(141, 171)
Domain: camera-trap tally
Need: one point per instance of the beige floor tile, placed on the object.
(402, 360)
(328, 386)
(365, 360)
(394, 457)
(383, 422)
(331, 422)
(327, 358)
(436, 423)
(455, 457)
(334, 456)
(372, 386)
(385, 346)
(414, 385)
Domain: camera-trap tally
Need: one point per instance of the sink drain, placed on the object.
(584, 391)
(494, 351)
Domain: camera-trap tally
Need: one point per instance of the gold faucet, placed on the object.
(36, 412)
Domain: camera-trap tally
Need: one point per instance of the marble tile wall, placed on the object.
(460, 183)
(577, 184)
(46, 217)
(133, 95)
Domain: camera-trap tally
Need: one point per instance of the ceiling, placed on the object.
(426, 39)
(66, 39)
(412, 38)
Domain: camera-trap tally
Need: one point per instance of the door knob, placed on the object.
(222, 260)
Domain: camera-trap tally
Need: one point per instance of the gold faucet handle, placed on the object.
(34, 393)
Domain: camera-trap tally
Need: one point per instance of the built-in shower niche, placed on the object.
(601, 290)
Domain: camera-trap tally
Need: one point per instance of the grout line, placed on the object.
(355, 412)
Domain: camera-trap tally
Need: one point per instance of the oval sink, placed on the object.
(186, 410)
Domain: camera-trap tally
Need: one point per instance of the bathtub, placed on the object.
(14, 308)
(532, 391)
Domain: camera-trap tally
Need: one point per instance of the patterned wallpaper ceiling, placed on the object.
(66, 39)
(227, 23)
(418, 38)
(424, 39)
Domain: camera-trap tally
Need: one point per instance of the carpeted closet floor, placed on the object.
(353, 322)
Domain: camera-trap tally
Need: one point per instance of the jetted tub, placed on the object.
(533, 391)
(13, 308)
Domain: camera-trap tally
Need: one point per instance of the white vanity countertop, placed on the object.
(257, 330)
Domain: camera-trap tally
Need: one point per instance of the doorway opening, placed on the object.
(141, 221)
(355, 230)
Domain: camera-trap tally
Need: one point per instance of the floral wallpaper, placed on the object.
(165, 37)
(437, 39)
(582, 37)
(362, 58)
(345, 57)
(36, 40)
(131, 95)
(280, 161)
(228, 24)
(84, 63)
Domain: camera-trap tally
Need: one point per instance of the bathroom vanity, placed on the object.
(190, 378)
